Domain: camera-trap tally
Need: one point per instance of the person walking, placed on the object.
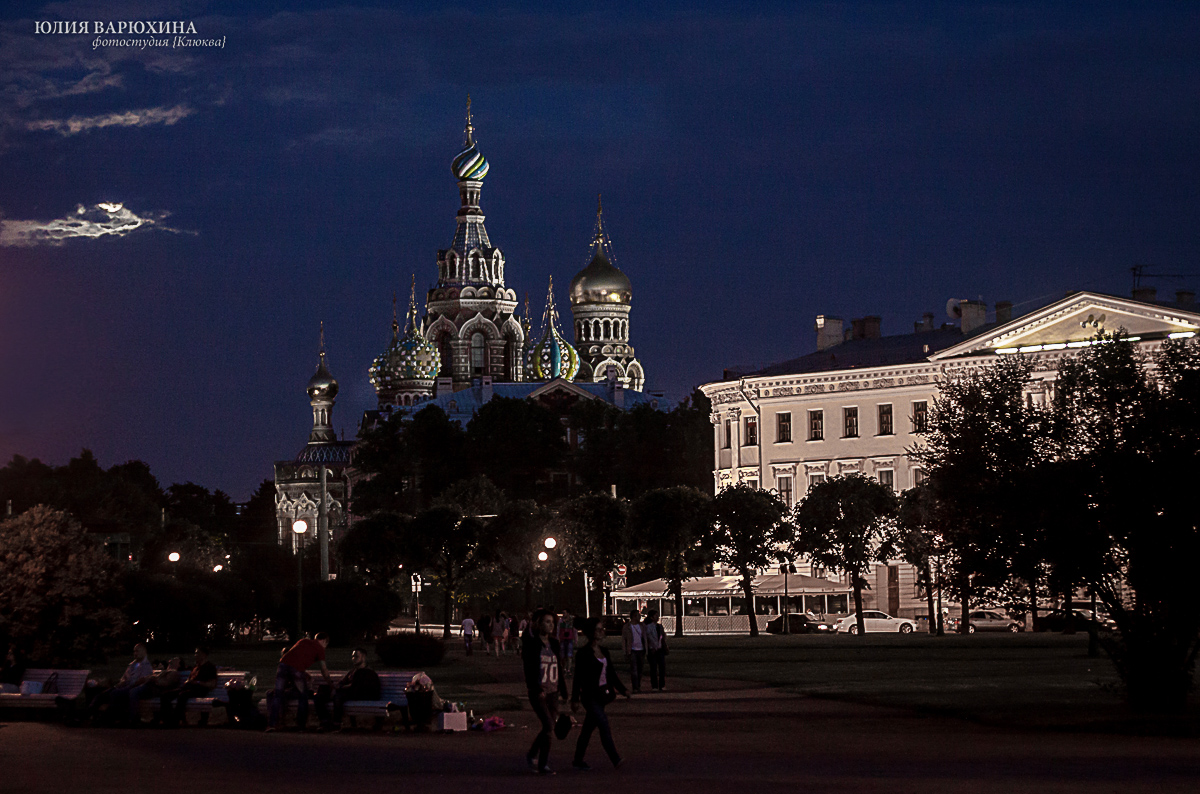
(500, 632)
(541, 655)
(468, 632)
(485, 632)
(633, 644)
(291, 678)
(655, 640)
(595, 685)
(566, 640)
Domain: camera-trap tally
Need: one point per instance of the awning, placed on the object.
(768, 585)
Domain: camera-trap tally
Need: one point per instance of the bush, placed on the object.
(348, 611)
(410, 650)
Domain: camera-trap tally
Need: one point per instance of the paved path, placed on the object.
(731, 740)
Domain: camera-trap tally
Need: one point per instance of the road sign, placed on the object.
(618, 582)
(620, 570)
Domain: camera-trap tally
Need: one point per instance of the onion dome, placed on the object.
(469, 163)
(409, 357)
(553, 357)
(322, 384)
(600, 281)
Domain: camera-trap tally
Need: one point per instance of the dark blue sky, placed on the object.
(758, 168)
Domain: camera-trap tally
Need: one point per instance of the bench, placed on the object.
(219, 696)
(70, 687)
(391, 684)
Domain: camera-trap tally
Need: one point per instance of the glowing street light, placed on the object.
(218, 568)
(551, 543)
(543, 556)
(173, 556)
(299, 526)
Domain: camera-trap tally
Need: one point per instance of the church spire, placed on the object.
(322, 389)
(468, 140)
(411, 321)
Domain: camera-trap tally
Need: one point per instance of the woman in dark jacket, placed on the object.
(542, 660)
(595, 680)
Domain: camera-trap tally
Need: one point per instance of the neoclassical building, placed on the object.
(601, 298)
(858, 402)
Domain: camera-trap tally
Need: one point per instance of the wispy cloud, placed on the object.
(102, 220)
(130, 118)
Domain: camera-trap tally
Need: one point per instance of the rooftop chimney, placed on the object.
(1145, 294)
(1003, 311)
(872, 326)
(443, 386)
(829, 332)
(924, 324)
(486, 388)
(1185, 297)
(974, 314)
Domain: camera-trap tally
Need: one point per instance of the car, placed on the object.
(1056, 620)
(614, 624)
(986, 620)
(875, 621)
(806, 623)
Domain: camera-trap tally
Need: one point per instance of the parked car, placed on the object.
(1056, 620)
(614, 624)
(806, 623)
(986, 620)
(875, 621)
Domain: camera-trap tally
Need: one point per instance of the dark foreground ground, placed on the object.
(794, 714)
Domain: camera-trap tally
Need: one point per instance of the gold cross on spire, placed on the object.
(470, 128)
(322, 350)
(412, 304)
(395, 318)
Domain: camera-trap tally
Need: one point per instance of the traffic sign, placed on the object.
(620, 570)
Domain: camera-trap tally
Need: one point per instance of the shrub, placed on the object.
(410, 650)
(348, 611)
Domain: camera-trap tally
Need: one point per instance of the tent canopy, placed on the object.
(768, 585)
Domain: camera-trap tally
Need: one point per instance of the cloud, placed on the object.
(103, 220)
(130, 118)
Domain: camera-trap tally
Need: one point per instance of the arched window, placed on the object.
(625, 330)
(478, 347)
(607, 329)
(447, 356)
(595, 329)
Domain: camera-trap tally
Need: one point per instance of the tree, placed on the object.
(57, 589)
(592, 530)
(668, 526)
(443, 542)
(374, 549)
(517, 444)
(1131, 436)
(749, 528)
(848, 523)
(983, 439)
(512, 541)
(407, 461)
(919, 542)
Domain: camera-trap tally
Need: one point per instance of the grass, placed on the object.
(1036, 681)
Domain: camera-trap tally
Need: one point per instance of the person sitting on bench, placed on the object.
(359, 683)
(199, 684)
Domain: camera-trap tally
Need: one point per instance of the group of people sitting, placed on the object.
(121, 703)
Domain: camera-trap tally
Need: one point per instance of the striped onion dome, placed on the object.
(553, 357)
(469, 163)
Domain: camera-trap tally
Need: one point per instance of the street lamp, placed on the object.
(173, 556)
(551, 543)
(786, 569)
(299, 526)
(543, 556)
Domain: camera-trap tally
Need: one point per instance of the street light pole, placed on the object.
(299, 527)
(786, 568)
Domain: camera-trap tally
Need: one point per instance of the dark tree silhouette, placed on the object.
(749, 527)
(847, 523)
(670, 527)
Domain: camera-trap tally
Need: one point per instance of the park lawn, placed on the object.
(1034, 680)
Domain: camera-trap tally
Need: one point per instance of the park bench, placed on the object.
(218, 696)
(70, 687)
(392, 693)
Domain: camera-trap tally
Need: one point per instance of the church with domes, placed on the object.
(469, 346)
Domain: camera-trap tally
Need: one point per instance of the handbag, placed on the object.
(50, 687)
(562, 726)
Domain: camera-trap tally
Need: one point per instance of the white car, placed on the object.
(874, 620)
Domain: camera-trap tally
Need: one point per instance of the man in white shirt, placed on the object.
(633, 643)
(136, 673)
(468, 630)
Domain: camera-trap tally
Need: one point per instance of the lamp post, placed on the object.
(544, 556)
(299, 527)
(786, 569)
(173, 556)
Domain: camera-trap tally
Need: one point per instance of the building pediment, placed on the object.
(1074, 320)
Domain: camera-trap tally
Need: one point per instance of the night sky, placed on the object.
(760, 165)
